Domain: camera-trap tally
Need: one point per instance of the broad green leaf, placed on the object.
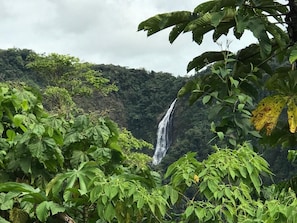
(113, 192)
(190, 209)
(205, 7)
(222, 29)
(292, 155)
(70, 183)
(200, 213)
(206, 59)
(256, 182)
(221, 135)
(242, 20)
(83, 181)
(234, 82)
(140, 203)
(10, 134)
(173, 196)
(199, 27)
(8, 200)
(293, 54)
(217, 17)
(176, 31)
(243, 171)
(109, 212)
(18, 119)
(59, 156)
(95, 193)
(55, 185)
(55, 208)
(152, 206)
(213, 187)
(25, 105)
(280, 36)
(257, 26)
(25, 165)
(17, 187)
(46, 209)
(163, 21)
(42, 211)
(37, 149)
(38, 129)
(206, 99)
(232, 173)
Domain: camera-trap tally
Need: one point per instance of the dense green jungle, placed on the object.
(77, 139)
(138, 105)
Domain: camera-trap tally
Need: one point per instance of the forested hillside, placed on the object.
(139, 104)
(135, 99)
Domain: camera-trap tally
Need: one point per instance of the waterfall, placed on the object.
(163, 140)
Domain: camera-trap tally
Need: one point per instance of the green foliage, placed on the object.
(113, 194)
(69, 73)
(57, 166)
(131, 146)
(51, 166)
(235, 81)
(221, 16)
(232, 86)
(144, 96)
(229, 98)
(236, 76)
(46, 209)
(27, 130)
(86, 167)
(58, 100)
(12, 64)
(225, 190)
(293, 54)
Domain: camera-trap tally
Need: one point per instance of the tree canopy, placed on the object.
(236, 79)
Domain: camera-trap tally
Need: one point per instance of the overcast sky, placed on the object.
(100, 31)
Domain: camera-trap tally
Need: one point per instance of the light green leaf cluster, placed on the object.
(226, 187)
(69, 73)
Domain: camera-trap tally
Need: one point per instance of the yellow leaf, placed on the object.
(267, 112)
(196, 178)
(292, 115)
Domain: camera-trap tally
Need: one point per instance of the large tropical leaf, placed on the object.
(163, 21)
(214, 5)
(293, 54)
(206, 58)
(48, 208)
(23, 190)
(283, 81)
(76, 180)
(17, 187)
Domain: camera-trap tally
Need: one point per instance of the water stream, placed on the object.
(163, 139)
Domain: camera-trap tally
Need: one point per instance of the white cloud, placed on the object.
(99, 31)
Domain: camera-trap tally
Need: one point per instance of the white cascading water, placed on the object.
(163, 141)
